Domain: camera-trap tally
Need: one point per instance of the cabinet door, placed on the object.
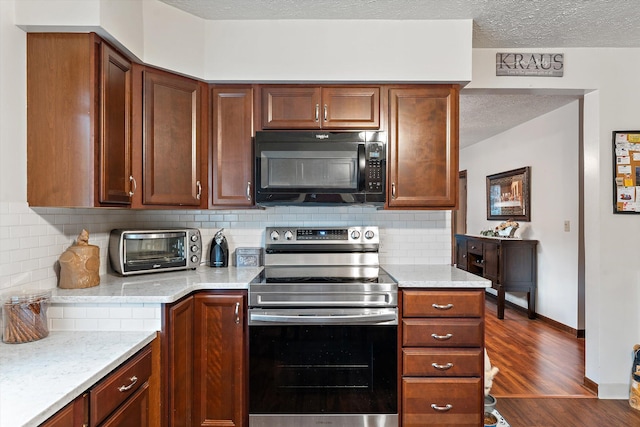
(287, 107)
(232, 129)
(461, 253)
(423, 134)
(61, 119)
(115, 138)
(351, 108)
(178, 369)
(219, 376)
(171, 140)
(75, 414)
(490, 256)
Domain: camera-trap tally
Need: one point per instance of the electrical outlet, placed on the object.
(567, 226)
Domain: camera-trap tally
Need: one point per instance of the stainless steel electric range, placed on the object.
(323, 331)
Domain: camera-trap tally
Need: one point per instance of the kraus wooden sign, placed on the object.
(530, 64)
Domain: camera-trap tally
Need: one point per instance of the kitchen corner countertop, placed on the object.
(39, 378)
(434, 276)
(161, 288)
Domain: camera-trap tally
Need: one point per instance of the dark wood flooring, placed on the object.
(540, 383)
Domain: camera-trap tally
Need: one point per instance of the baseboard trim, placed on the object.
(578, 333)
(590, 385)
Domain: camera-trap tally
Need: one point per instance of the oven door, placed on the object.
(323, 367)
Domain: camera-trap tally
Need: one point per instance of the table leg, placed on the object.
(500, 289)
(531, 305)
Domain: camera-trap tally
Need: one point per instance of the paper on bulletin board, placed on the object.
(626, 170)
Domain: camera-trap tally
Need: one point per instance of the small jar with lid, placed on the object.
(24, 316)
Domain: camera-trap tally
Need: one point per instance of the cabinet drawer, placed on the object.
(442, 362)
(442, 332)
(474, 247)
(111, 392)
(443, 303)
(135, 411)
(442, 402)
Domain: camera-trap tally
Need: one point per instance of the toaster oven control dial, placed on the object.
(275, 235)
(355, 234)
(369, 234)
(194, 237)
(288, 235)
(194, 248)
(194, 258)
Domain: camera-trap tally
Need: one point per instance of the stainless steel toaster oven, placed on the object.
(149, 251)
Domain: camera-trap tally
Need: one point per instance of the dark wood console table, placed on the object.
(510, 264)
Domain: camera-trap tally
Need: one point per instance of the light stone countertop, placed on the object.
(39, 378)
(169, 287)
(434, 276)
(161, 288)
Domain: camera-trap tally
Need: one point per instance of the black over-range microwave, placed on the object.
(324, 168)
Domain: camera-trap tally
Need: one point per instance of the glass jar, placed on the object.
(25, 317)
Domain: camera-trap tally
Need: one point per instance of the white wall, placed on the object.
(612, 275)
(549, 145)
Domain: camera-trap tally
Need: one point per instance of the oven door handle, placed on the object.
(325, 320)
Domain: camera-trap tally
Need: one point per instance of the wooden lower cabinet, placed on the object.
(121, 399)
(442, 357)
(441, 402)
(206, 361)
(75, 414)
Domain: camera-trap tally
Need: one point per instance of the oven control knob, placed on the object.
(194, 237)
(288, 235)
(194, 259)
(194, 248)
(369, 234)
(274, 235)
(355, 234)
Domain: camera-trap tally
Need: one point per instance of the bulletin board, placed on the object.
(626, 171)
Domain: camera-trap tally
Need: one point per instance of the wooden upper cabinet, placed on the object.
(312, 107)
(232, 147)
(172, 134)
(423, 147)
(78, 122)
(115, 141)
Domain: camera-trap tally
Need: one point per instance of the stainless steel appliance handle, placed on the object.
(353, 318)
(362, 165)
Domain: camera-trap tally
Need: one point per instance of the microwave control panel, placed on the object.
(376, 162)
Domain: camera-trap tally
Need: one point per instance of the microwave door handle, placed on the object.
(362, 164)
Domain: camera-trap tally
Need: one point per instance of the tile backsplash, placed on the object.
(32, 239)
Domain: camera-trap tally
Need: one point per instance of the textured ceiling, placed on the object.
(496, 24)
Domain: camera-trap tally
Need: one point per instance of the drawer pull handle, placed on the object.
(442, 307)
(124, 388)
(442, 367)
(237, 313)
(445, 408)
(441, 337)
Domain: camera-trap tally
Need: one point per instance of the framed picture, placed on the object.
(508, 195)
